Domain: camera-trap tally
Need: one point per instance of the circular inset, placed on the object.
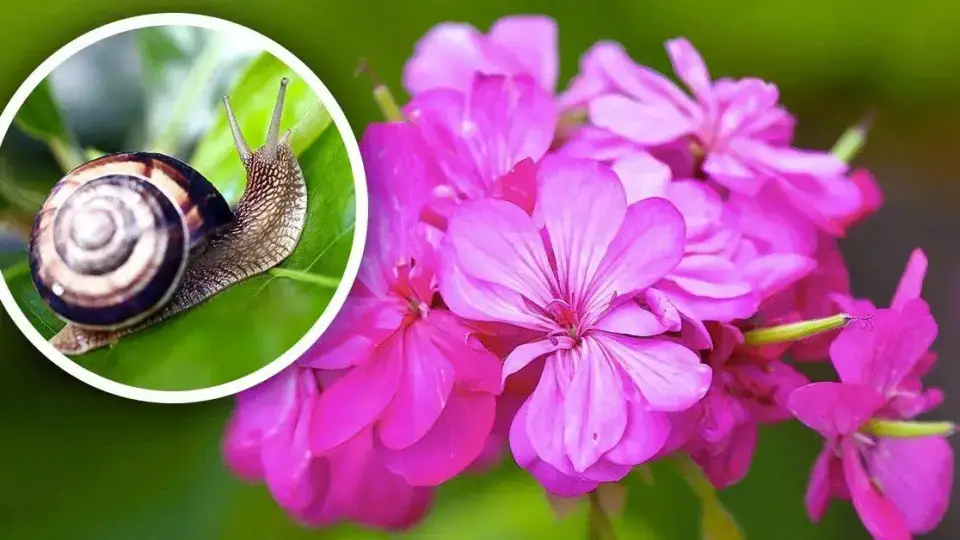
(197, 207)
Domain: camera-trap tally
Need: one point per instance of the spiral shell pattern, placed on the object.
(111, 242)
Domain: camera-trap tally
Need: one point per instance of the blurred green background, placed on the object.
(76, 463)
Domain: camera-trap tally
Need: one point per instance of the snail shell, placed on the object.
(112, 241)
(128, 240)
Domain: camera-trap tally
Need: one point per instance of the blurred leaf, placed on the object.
(216, 156)
(716, 522)
(159, 48)
(18, 196)
(252, 323)
(40, 118)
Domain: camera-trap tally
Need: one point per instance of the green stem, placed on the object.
(382, 95)
(67, 156)
(599, 526)
(795, 331)
(906, 430)
(306, 277)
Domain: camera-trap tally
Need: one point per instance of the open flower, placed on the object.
(608, 379)
(267, 439)
(733, 132)
(450, 54)
(486, 140)
(898, 485)
(413, 370)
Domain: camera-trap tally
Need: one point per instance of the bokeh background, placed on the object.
(77, 464)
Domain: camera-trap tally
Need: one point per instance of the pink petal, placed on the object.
(771, 274)
(642, 176)
(507, 262)
(690, 68)
(648, 245)
(545, 420)
(533, 40)
(730, 170)
(669, 376)
(340, 415)
(595, 411)
(599, 144)
(883, 353)
(647, 124)
(917, 476)
(552, 479)
(422, 394)
(878, 513)
(701, 206)
(508, 119)
(632, 320)
(704, 308)
(579, 233)
(450, 54)
(262, 412)
(476, 368)
(528, 352)
(911, 284)
(519, 186)
(834, 408)
(770, 218)
(788, 160)
(644, 437)
(450, 446)
(730, 463)
(827, 472)
(359, 327)
(709, 276)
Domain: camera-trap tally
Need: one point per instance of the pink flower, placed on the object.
(267, 439)
(734, 132)
(608, 376)
(450, 54)
(485, 140)
(897, 485)
(413, 370)
(747, 390)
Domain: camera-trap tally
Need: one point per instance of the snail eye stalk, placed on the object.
(273, 134)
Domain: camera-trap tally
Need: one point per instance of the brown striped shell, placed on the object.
(112, 240)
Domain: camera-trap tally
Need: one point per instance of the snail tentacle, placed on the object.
(268, 221)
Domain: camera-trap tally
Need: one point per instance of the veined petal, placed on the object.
(669, 376)
(834, 408)
(579, 231)
(359, 327)
(648, 245)
(510, 254)
(709, 276)
(595, 411)
(528, 352)
(545, 416)
(644, 437)
(771, 274)
(631, 319)
(827, 473)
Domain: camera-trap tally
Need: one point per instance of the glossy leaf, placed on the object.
(251, 323)
(40, 118)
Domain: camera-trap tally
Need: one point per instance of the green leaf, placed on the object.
(716, 522)
(252, 323)
(40, 118)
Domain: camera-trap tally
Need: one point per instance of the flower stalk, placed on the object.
(796, 331)
(907, 430)
(382, 95)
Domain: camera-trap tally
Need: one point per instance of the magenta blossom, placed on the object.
(450, 54)
(414, 371)
(734, 132)
(898, 485)
(267, 439)
(747, 390)
(608, 376)
(485, 140)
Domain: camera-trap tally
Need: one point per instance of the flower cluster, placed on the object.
(591, 280)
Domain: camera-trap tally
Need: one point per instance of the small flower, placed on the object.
(413, 370)
(485, 139)
(267, 440)
(747, 390)
(732, 132)
(898, 485)
(450, 54)
(607, 378)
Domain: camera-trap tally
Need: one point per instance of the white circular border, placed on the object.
(359, 235)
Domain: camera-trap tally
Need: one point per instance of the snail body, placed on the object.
(130, 239)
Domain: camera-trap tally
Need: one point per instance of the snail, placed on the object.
(130, 239)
